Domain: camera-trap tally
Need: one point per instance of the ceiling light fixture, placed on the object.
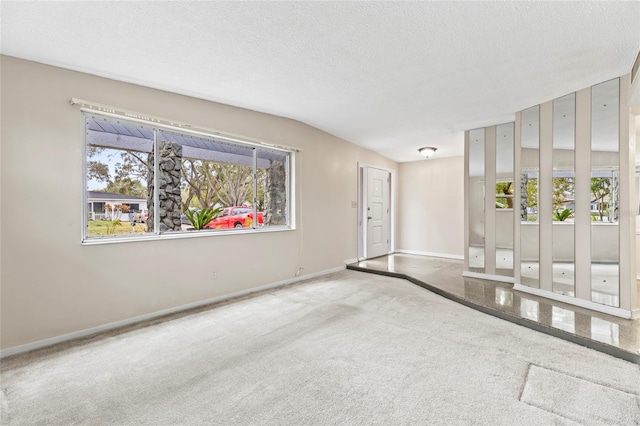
(427, 151)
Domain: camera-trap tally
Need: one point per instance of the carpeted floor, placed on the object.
(346, 348)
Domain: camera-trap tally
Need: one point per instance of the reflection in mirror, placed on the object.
(529, 229)
(476, 200)
(563, 319)
(638, 198)
(605, 331)
(529, 309)
(504, 199)
(504, 297)
(563, 195)
(605, 231)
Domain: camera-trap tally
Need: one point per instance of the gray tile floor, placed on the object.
(616, 336)
(605, 277)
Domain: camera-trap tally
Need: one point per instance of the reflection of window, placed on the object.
(605, 196)
(529, 196)
(504, 195)
(171, 171)
(563, 197)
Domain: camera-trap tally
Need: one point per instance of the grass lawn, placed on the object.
(100, 228)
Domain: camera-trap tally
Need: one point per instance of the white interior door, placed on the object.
(377, 213)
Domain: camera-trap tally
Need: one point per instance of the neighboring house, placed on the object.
(97, 202)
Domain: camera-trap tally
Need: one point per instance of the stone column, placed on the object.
(150, 192)
(169, 169)
(276, 194)
(523, 197)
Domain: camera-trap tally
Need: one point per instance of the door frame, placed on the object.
(362, 211)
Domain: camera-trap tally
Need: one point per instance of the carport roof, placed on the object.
(99, 195)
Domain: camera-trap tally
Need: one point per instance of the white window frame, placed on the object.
(156, 125)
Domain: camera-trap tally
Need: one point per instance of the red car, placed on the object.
(235, 217)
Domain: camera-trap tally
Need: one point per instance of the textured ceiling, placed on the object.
(388, 76)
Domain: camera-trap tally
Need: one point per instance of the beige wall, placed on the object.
(52, 285)
(431, 206)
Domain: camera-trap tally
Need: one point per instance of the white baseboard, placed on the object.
(427, 253)
(618, 312)
(130, 321)
(491, 277)
(350, 261)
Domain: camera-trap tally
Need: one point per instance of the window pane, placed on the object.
(119, 156)
(205, 179)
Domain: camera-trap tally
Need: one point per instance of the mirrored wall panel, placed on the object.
(504, 199)
(529, 172)
(563, 195)
(476, 200)
(605, 208)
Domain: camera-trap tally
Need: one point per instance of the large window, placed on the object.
(155, 180)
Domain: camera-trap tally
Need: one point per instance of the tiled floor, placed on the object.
(605, 276)
(613, 335)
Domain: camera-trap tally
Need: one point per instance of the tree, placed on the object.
(134, 166)
(528, 197)
(207, 183)
(234, 184)
(563, 190)
(127, 186)
(95, 169)
(600, 188)
(130, 172)
(199, 188)
(532, 193)
(505, 188)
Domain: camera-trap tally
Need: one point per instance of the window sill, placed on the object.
(180, 235)
(556, 222)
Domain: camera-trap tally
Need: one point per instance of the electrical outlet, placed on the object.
(214, 275)
(354, 204)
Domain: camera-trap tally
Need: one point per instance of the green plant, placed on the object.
(199, 218)
(562, 215)
(111, 227)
